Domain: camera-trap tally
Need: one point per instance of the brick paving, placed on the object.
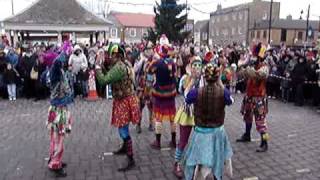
(294, 147)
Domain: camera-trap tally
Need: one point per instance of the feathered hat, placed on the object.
(211, 72)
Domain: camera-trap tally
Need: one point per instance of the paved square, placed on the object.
(294, 152)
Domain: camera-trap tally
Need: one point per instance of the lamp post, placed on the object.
(12, 7)
(270, 19)
(307, 25)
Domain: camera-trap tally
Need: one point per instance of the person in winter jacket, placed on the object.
(78, 65)
(298, 77)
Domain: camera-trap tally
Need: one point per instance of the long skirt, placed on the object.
(208, 147)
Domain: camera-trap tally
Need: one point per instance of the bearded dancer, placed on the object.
(125, 103)
(255, 105)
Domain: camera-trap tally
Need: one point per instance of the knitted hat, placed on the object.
(115, 48)
(208, 57)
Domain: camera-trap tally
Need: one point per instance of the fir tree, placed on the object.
(169, 21)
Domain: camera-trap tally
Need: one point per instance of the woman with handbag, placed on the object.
(184, 117)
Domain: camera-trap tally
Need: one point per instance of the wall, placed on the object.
(292, 37)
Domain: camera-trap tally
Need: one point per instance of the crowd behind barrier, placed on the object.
(294, 74)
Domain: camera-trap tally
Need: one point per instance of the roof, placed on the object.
(56, 12)
(227, 10)
(286, 24)
(134, 19)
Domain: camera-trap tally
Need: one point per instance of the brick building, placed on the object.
(288, 31)
(130, 27)
(232, 24)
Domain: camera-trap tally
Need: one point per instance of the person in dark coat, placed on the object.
(41, 92)
(25, 66)
(3, 67)
(298, 77)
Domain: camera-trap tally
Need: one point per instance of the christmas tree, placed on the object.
(169, 21)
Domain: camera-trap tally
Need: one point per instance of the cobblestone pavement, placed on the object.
(294, 148)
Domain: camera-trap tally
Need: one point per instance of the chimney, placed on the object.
(289, 17)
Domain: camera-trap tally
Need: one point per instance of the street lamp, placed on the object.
(307, 27)
(12, 7)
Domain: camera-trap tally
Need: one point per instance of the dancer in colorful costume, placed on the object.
(184, 117)
(144, 80)
(209, 147)
(125, 103)
(255, 103)
(163, 94)
(59, 118)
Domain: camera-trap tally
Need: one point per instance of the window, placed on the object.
(217, 32)
(283, 35)
(225, 32)
(252, 34)
(240, 16)
(114, 32)
(258, 34)
(226, 17)
(245, 15)
(300, 34)
(212, 20)
(133, 32)
(240, 30)
(234, 16)
(233, 31)
(265, 34)
(213, 33)
(218, 19)
(145, 32)
(204, 36)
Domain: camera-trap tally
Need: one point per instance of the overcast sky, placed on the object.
(292, 7)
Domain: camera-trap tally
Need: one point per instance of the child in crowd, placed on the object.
(10, 78)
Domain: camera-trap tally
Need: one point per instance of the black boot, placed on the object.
(122, 150)
(264, 143)
(157, 143)
(244, 138)
(130, 164)
(59, 173)
(173, 143)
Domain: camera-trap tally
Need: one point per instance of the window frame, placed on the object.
(135, 32)
(114, 35)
